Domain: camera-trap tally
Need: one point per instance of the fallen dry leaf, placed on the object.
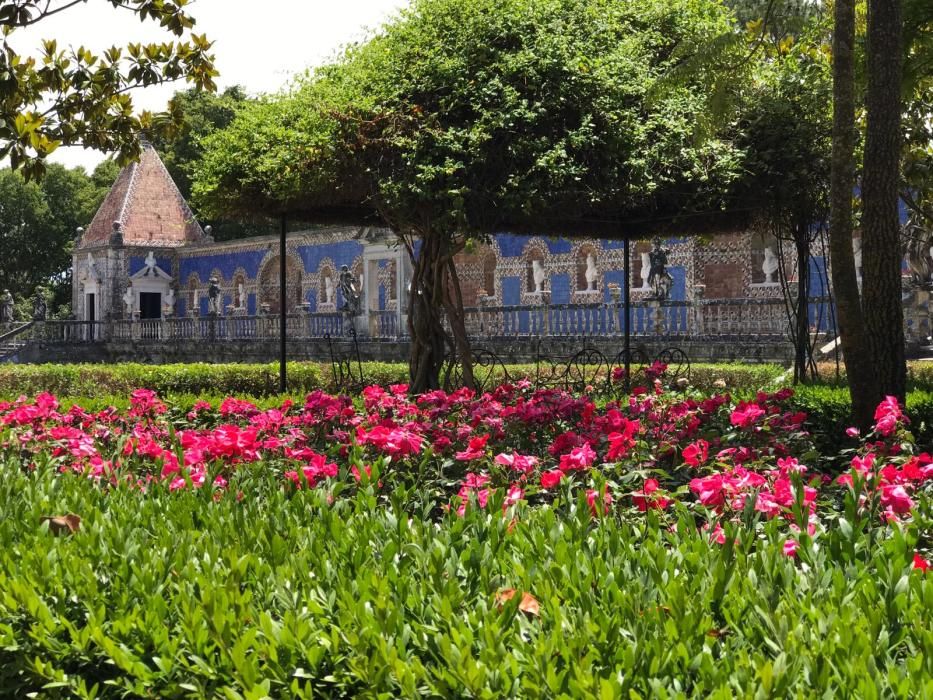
(62, 524)
(529, 604)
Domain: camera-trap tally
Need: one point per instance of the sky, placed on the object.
(259, 44)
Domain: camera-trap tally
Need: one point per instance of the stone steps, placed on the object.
(8, 350)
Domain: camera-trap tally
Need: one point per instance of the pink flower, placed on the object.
(887, 416)
(551, 478)
(516, 462)
(513, 496)
(621, 441)
(578, 458)
(852, 432)
(746, 414)
(696, 453)
(895, 499)
(645, 499)
(476, 449)
(709, 490)
(920, 563)
(718, 535)
(591, 498)
(790, 548)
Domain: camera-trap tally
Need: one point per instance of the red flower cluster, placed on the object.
(627, 457)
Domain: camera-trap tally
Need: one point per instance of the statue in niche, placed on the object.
(591, 273)
(214, 301)
(40, 309)
(240, 295)
(645, 271)
(351, 289)
(92, 272)
(6, 307)
(659, 279)
(168, 308)
(537, 275)
(195, 302)
(770, 265)
(129, 300)
(328, 289)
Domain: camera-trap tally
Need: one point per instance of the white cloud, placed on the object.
(259, 45)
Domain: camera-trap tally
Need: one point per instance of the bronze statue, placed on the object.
(659, 279)
(352, 294)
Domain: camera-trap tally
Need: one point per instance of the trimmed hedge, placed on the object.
(829, 411)
(93, 380)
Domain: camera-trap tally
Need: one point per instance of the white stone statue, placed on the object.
(129, 300)
(328, 290)
(195, 303)
(150, 260)
(645, 270)
(537, 275)
(770, 265)
(168, 307)
(590, 273)
(92, 272)
(241, 295)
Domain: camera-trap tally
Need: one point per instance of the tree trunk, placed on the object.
(802, 333)
(435, 288)
(453, 304)
(842, 184)
(882, 308)
(425, 326)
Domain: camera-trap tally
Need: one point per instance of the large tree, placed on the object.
(881, 290)
(462, 118)
(38, 222)
(67, 96)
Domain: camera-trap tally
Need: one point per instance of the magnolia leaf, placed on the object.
(62, 524)
(528, 604)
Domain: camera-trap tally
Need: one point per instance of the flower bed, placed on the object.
(517, 543)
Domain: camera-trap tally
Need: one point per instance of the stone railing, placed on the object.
(751, 319)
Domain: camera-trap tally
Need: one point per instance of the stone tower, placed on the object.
(133, 238)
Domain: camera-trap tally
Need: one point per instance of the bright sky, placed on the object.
(259, 44)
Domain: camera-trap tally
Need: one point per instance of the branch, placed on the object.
(44, 13)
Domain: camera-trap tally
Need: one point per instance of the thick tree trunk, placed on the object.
(453, 304)
(425, 326)
(882, 308)
(802, 333)
(842, 184)
(435, 289)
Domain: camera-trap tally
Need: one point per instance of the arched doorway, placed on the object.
(269, 284)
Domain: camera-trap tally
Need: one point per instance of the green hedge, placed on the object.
(96, 380)
(829, 412)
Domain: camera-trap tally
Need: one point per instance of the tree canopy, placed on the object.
(38, 222)
(71, 95)
(483, 115)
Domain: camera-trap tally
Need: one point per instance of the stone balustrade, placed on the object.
(747, 319)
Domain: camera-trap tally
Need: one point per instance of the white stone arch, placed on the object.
(193, 289)
(326, 268)
(240, 277)
(267, 280)
(534, 250)
(579, 252)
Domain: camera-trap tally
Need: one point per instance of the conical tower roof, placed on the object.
(148, 206)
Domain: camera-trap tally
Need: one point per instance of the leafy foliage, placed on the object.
(38, 224)
(252, 585)
(73, 96)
